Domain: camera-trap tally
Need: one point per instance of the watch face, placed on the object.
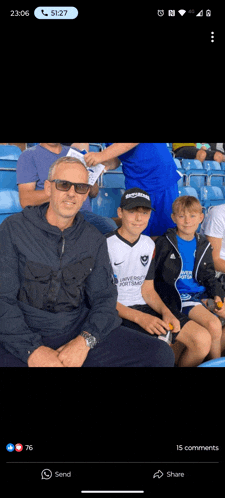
(90, 339)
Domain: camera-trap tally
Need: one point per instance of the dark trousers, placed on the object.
(123, 347)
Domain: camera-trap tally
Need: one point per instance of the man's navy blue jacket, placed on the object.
(52, 282)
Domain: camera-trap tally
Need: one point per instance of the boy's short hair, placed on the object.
(186, 202)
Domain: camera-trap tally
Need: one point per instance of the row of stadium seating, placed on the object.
(197, 174)
(108, 200)
(206, 181)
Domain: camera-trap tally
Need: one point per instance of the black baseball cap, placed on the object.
(135, 197)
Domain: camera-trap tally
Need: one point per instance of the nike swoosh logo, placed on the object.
(116, 264)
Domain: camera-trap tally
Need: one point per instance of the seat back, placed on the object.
(9, 203)
(187, 191)
(107, 202)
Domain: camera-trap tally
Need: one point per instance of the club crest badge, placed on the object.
(144, 260)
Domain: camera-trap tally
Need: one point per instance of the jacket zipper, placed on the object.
(63, 247)
(179, 273)
(203, 254)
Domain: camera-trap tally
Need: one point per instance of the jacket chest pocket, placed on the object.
(51, 290)
(73, 280)
(36, 284)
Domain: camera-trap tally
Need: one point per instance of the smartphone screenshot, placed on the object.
(111, 72)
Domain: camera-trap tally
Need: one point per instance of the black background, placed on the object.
(117, 74)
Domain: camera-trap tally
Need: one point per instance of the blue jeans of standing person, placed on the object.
(123, 347)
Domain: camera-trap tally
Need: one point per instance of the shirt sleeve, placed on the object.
(15, 335)
(102, 296)
(26, 168)
(151, 271)
(214, 225)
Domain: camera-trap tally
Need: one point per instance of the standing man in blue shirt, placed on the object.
(150, 167)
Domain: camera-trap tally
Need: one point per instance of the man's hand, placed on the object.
(44, 357)
(74, 353)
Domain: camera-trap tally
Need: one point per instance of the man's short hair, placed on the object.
(188, 202)
(66, 159)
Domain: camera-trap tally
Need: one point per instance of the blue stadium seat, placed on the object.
(8, 178)
(211, 165)
(95, 147)
(9, 155)
(178, 163)
(9, 203)
(107, 202)
(188, 164)
(211, 196)
(216, 178)
(113, 178)
(187, 191)
(196, 176)
(218, 362)
(196, 180)
(215, 174)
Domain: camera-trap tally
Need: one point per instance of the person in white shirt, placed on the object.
(213, 227)
(132, 258)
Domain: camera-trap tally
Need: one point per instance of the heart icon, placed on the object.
(18, 447)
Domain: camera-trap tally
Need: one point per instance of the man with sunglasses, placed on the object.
(57, 296)
(32, 171)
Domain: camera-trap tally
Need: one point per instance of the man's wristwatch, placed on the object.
(91, 341)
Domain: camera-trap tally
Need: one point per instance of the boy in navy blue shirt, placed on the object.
(185, 274)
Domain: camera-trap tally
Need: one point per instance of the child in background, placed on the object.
(185, 275)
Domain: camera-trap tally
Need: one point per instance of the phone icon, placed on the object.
(46, 474)
(42, 11)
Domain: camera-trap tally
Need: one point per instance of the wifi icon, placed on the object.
(182, 12)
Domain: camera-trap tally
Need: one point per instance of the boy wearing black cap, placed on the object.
(132, 258)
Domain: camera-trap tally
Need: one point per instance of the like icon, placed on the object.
(19, 447)
(10, 447)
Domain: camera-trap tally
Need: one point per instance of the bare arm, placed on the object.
(148, 322)
(117, 149)
(31, 197)
(152, 298)
(216, 244)
(112, 163)
(111, 152)
(81, 146)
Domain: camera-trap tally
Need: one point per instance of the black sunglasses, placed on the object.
(64, 186)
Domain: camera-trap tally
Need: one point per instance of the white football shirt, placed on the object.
(132, 264)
